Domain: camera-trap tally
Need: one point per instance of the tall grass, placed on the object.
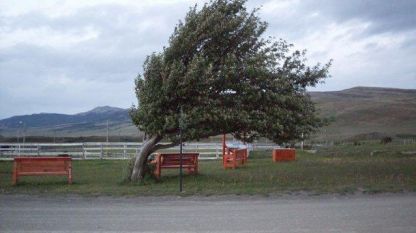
(339, 169)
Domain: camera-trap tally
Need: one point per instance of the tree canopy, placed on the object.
(225, 76)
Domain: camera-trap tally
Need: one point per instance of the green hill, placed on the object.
(358, 112)
(367, 111)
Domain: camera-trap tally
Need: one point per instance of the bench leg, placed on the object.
(70, 175)
(14, 176)
(192, 170)
(226, 162)
(230, 162)
(157, 171)
(234, 160)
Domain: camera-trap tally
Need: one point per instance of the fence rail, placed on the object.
(111, 150)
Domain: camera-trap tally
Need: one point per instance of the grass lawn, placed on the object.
(339, 169)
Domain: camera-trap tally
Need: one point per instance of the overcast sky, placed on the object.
(71, 56)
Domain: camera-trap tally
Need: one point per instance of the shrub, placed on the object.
(386, 140)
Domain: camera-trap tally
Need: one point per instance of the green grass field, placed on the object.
(366, 168)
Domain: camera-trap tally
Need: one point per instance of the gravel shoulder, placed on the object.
(301, 212)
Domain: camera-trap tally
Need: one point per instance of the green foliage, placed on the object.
(227, 78)
(386, 140)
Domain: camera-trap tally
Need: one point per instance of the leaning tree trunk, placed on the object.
(139, 167)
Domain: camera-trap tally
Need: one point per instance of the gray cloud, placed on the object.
(384, 15)
(372, 42)
(38, 76)
(89, 55)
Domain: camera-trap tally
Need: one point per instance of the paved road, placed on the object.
(365, 213)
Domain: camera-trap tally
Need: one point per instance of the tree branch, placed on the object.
(164, 146)
(172, 144)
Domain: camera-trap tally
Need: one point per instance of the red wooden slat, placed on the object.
(37, 166)
(284, 154)
(172, 160)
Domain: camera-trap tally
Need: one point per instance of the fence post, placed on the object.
(217, 155)
(83, 151)
(102, 152)
(124, 151)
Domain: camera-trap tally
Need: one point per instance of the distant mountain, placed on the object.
(361, 111)
(93, 122)
(356, 112)
(103, 110)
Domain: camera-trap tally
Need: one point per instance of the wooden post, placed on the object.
(124, 151)
(180, 162)
(234, 154)
(69, 172)
(101, 151)
(223, 145)
(14, 176)
(301, 143)
(83, 151)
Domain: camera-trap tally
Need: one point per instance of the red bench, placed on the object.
(172, 160)
(232, 157)
(42, 166)
(283, 154)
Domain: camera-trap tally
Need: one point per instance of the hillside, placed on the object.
(93, 122)
(367, 110)
(355, 112)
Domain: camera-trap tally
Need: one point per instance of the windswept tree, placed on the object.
(219, 75)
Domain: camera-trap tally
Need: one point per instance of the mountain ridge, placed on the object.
(353, 111)
(93, 122)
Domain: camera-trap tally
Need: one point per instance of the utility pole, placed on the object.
(106, 150)
(180, 163)
(107, 131)
(181, 125)
(19, 131)
(24, 132)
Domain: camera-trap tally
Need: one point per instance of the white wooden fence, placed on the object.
(111, 150)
